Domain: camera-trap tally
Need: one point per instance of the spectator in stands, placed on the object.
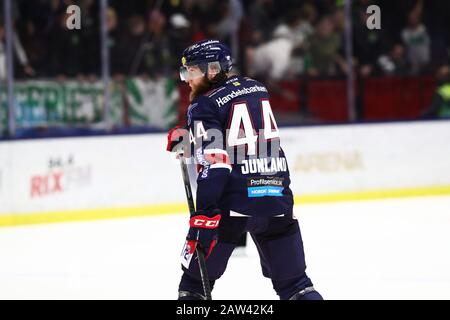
(395, 62)
(440, 106)
(308, 15)
(64, 49)
(323, 58)
(155, 54)
(368, 44)
(227, 28)
(271, 60)
(135, 45)
(117, 44)
(262, 16)
(436, 17)
(302, 32)
(179, 29)
(338, 17)
(416, 40)
(204, 16)
(19, 53)
(90, 37)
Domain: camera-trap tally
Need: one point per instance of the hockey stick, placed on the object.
(190, 200)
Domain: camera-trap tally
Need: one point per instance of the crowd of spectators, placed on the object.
(274, 39)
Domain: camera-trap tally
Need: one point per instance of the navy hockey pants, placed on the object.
(280, 247)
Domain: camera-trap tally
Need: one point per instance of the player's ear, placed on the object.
(213, 69)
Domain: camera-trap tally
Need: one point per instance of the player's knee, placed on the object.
(191, 288)
(283, 257)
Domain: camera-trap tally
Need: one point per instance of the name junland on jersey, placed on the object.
(263, 165)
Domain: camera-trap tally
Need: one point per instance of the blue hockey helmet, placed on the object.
(208, 55)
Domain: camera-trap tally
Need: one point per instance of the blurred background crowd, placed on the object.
(277, 39)
(288, 44)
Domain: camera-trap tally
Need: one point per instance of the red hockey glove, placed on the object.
(175, 137)
(203, 231)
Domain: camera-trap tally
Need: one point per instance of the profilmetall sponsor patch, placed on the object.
(265, 187)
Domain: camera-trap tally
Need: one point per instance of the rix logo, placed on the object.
(58, 180)
(43, 185)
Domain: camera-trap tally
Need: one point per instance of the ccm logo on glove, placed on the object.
(205, 222)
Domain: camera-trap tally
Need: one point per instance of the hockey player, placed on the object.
(243, 178)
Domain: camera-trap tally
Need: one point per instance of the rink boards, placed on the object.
(117, 176)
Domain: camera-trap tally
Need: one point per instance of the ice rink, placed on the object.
(389, 249)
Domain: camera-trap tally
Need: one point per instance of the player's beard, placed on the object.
(205, 85)
(200, 88)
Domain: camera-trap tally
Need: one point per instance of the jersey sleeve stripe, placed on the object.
(221, 165)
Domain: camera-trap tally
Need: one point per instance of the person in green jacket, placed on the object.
(440, 105)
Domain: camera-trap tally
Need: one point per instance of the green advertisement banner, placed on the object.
(133, 102)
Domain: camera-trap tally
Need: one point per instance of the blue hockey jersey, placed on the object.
(235, 144)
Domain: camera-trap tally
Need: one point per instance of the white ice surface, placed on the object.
(390, 249)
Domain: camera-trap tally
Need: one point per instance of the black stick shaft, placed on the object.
(187, 184)
(204, 274)
(200, 255)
